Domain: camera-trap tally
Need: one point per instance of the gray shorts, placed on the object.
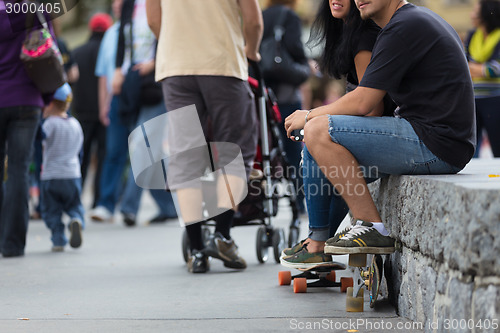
(226, 109)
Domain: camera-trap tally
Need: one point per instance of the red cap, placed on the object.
(100, 22)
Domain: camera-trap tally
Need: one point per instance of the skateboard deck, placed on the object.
(323, 276)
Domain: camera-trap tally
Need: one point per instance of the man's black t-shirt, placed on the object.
(366, 42)
(419, 60)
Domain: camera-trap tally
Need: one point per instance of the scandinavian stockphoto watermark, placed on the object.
(170, 152)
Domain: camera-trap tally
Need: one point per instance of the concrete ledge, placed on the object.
(449, 227)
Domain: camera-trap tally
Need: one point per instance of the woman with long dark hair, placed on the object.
(348, 41)
(483, 51)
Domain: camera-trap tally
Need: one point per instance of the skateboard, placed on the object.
(365, 276)
(323, 276)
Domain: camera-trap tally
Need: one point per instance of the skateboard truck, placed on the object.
(369, 278)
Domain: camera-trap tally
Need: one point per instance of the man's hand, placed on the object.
(476, 70)
(296, 120)
(253, 27)
(116, 84)
(145, 68)
(104, 100)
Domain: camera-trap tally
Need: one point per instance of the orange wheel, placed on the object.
(284, 278)
(331, 276)
(299, 285)
(345, 282)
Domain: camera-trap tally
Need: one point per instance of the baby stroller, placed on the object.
(270, 180)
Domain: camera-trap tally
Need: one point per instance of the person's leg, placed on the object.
(487, 109)
(20, 128)
(52, 209)
(132, 195)
(293, 153)
(101, 155)
(37, 160)
(326, 210)
(165, 204)
(187, 146)
(115, 159)
(129, 205)
(479, 126)
(72, 205)
(89, 134)
(162, 198)
(231, 110)
(72, 190)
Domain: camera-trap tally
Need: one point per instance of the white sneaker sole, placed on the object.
(303, 265)
(335, 250)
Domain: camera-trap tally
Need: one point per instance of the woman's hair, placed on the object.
(338, 37)
(290, 3)
(489, 14)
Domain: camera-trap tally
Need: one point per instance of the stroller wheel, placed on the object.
(279, 243)
(293, 236)
(186, 252)
(262, 245)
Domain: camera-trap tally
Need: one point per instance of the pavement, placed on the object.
(134, 279)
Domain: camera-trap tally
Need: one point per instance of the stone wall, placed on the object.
(447, 274)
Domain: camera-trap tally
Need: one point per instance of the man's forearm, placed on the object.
(153, 10)
(253, 26)
(359, 102)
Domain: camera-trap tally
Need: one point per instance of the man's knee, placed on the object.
(316, 133)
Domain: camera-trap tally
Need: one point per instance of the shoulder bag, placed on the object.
(277, 64)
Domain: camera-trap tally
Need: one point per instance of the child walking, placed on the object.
(61, 184)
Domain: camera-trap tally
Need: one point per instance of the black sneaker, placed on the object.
(129, 219)
(225, 250)
(198, 262)
(161, 218)
(75, 229)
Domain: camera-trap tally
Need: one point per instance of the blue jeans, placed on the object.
(382, 146)
(132, 194)
(18, 126)
(115, 159)
(61, 196)
(292, 150)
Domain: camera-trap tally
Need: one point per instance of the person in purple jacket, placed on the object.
(20, 110)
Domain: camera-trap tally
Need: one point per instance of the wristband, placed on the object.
(307, 115)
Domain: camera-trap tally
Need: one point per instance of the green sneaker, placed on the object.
(362, 238)
(304, 259)
(292, 250)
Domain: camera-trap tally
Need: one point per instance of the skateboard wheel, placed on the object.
(331, 276)
(357, 260)
(354, 304)
(299, 285)
(346, 282)
(284, 278)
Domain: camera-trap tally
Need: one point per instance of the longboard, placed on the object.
(323, 276)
